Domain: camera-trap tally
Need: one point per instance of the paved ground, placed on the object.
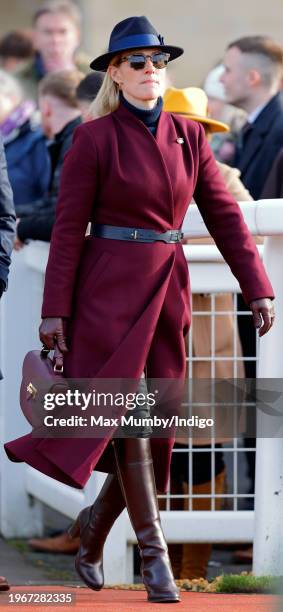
(108, 600)
(30, 572)
(22, 566)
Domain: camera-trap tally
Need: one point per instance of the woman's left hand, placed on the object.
(263, 310)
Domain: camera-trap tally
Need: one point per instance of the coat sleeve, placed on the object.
(36, 227)
(73, 212)
(42, 165)
(7, 219)
(224, 220)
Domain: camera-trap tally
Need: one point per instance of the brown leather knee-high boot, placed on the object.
(136, 475)
(93, 525)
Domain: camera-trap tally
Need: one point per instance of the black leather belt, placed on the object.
(135, 234)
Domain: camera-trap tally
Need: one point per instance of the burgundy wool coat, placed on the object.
(128, 304)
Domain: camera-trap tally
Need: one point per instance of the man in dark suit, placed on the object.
(252, 79)
(7, 230)
(253, 72)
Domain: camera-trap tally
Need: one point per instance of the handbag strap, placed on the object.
(44, 354)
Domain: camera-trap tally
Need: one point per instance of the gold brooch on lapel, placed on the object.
(180, 140)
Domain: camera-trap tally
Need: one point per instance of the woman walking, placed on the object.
(121, 295)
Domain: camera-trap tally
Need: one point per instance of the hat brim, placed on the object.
(214, 125)
(102, 62)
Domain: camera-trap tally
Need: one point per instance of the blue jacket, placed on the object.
(263, 143)
(28, 164)
(38, 224)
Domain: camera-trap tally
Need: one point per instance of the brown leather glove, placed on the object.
(263, 314)
(52, 332)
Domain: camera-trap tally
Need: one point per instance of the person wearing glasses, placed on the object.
(116, 303)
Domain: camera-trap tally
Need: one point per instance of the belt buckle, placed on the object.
(134, 234)
(179, 236)
(174, 236)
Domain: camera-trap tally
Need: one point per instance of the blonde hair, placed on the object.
(107, 99)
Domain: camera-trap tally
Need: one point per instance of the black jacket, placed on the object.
(7, 221)
(273, 187)
(261, 146)
(38, 226)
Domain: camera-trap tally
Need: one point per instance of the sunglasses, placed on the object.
(138, 61)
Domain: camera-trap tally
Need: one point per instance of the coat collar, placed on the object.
(67, 130)
(268, 114)
(260, 128)
(149, 117)
(165, 126)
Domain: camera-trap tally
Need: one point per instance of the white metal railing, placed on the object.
(24, 489)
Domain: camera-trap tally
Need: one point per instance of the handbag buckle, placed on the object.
(32, 390)
(58, 369)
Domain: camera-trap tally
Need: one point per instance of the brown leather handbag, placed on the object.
(39, 376)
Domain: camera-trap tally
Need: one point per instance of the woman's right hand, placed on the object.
(52, 335)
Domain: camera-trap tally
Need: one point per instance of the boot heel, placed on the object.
(74, 530)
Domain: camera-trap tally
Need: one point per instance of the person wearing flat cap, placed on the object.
(117, 303)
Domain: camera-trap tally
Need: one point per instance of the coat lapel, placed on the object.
(253, 144)
(166, 141)
(163, 147)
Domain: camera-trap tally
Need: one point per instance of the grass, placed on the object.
(248, 583)
(19, 544)
(226, 583)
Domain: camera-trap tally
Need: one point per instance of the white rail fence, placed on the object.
(23, 489)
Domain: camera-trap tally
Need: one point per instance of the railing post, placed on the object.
(268, 534)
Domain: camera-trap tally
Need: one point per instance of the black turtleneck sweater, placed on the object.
(148, 117)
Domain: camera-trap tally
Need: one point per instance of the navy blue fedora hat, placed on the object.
(133, 33)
